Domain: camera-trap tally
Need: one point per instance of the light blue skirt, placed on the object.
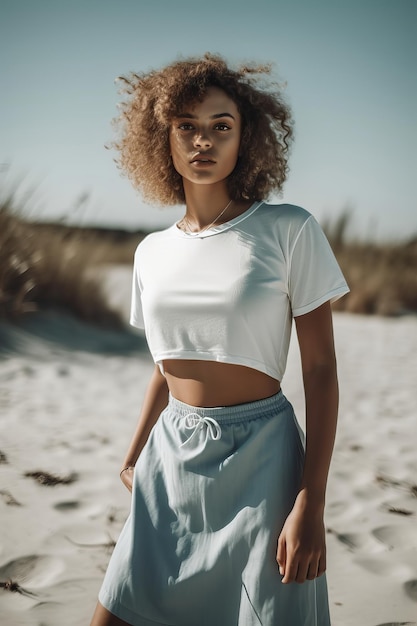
(212, 489)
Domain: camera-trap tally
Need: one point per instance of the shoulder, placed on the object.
(287, 227)
(154, 240)
(285, 213)
(284, 221)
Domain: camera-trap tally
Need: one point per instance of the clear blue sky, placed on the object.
(350, 68)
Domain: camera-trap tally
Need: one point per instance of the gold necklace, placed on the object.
(198, 232)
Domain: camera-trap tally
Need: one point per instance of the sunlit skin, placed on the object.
(205, 139)
(205, 142)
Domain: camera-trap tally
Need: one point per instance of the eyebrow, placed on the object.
(216, 116)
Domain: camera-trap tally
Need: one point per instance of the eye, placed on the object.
(222, 126)
(185, 126)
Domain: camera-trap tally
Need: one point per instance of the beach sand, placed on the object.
(69, 399)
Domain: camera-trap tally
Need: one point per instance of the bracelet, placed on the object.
(126, 468)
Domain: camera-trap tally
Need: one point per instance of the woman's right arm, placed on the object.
(156, 399)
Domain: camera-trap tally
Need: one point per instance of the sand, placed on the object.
(69, 399)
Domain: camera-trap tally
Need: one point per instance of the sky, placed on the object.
(349, 67)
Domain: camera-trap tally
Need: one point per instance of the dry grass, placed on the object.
(382, 277)
(44, 266)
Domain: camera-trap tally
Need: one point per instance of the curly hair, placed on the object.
(155, 98)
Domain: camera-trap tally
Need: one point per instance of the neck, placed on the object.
(205, 202)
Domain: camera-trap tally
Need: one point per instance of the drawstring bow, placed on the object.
(195, 422)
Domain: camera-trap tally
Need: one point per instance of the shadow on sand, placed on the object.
(54, 331)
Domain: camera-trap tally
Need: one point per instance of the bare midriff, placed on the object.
(211, 384)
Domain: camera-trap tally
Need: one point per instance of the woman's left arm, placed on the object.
(301, 551)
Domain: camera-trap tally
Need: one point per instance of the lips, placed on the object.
(202, 159)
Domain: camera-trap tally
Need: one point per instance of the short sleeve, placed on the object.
(314, 274)
(136, 314)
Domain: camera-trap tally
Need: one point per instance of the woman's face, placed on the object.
(205, 138)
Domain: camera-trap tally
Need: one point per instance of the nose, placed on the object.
(202, 140)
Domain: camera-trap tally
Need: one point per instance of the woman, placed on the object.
(226, 526)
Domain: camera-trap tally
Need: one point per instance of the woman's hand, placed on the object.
(126, 476)
(301, 553)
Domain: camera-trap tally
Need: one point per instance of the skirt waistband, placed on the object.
(267, 407)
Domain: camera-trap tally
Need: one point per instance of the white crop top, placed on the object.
(229, 294)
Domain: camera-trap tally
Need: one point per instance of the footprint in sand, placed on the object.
(396, 536)
(33, 571)
(410, 588)
(387, 538)
(360, 542)
(352, 540)
(381, 566)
